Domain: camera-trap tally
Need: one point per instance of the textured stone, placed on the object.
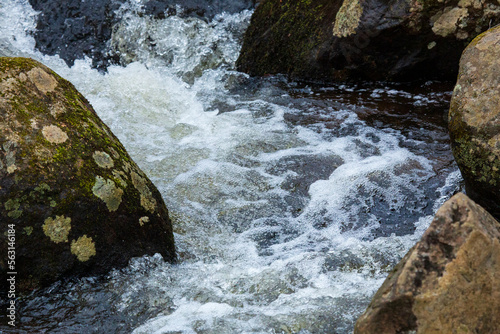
(449, 282)
(474, 120)
(68, 188)
(329, 40)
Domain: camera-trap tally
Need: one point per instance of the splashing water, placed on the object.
(290, 203)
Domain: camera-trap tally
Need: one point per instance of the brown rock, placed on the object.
(474, 120)
(449, 282)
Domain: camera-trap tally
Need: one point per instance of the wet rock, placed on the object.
(363, 39)
(76, 29)
(448, 282)
(474, 120)
(206, 9)
(72, 199)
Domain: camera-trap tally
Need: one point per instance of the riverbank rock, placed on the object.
(72, 200)
(449, 282)
(363, 39)
(474, 120)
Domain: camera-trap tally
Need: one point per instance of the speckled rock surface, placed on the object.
(449, 282)
(329, 40)
(77, 203)
(474, 120)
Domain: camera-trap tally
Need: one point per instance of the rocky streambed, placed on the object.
(290, 201)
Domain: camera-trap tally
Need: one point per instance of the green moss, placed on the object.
(293, 32)
(302, 20)
(14, 63)
(39, 191)
(12, 206)
(475, 161)
(28, 230)
(61, 154)
(42, 188)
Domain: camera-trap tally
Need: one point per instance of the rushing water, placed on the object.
(290, 202)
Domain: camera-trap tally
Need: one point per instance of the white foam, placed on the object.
(17, 21)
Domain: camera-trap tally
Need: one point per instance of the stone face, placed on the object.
(474, 120)
(449, 282)
(331, 40)
(77, 203)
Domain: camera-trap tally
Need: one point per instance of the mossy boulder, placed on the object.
(72, 199)
(474, 120)
(448, 282)
(332, 40)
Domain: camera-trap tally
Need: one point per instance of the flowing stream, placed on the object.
(290, 202)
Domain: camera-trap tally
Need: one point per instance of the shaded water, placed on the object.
(290, 202)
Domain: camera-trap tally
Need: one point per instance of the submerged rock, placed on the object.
(363, 39)
(72, 200)
(474, 120)
(448, 282)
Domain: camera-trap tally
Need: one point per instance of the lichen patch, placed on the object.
(126, 167)
(143, 220)
(10, 156)
(119, 175)
(102, 159)
(11, 169)
(42, 80)
(34, 124)
(147, 200)
(348, 18)
(57, 229)
(107, 191)
(57, 109)
(54, 134)
(83, 248)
